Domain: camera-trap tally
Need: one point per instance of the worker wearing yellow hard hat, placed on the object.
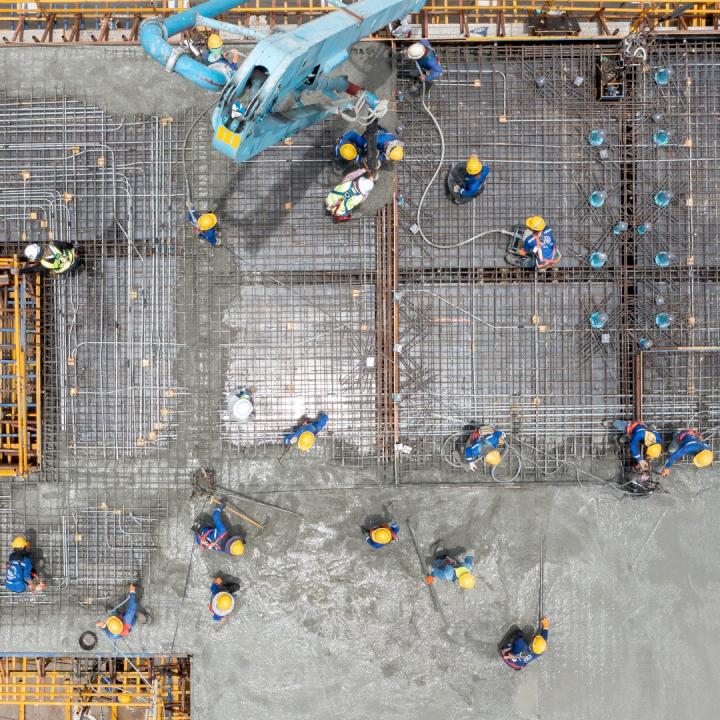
(351, 150)
(123, 618)
(453, 569)
(643, 442)
(688, 443)
(535, 248)
(382, 535)
(20, 575)
(517, 653)
(205, 225)
(466, 180)
(304, 435)
(214, 41)
(222, 601)
(482, 447)
(217, 537)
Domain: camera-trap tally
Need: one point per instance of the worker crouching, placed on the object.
(424, 56)
(58, 258)
(121, 625)
(644, 443)
(382, 535)
(688, 443)
(305, 434)
(452, 569)
(20, 576)
(517, 653)
(218, 536)
(467, 180)
(482, 447)
(349, 194)
(222, 601)
(534, 246)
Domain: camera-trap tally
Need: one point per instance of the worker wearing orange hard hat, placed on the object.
(304, 435)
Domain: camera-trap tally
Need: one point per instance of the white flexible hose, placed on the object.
(430, 184)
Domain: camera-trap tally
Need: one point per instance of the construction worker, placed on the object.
(20, 576)
(644, 443)
(453, 569)
(422, 53)
(58, 258)
(304, 435)
(535, 247)
(205, 225)
(216, 55)
(349, 194)
(218, 536)
(117, 626)
(688, 442)
(241, 405)
(517, 653)
(222, 601)
(389, 147)
(482, 446)
(382, 535)
(467, 180)
(352, 148)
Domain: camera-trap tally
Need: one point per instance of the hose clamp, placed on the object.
(174, 57)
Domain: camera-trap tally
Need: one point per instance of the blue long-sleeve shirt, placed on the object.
(383, 139)
(637, 442)
(313, 427)
(523, 655)
(209, 236)
(444, 568)
(129, 618)
(690, 444)
(352, 138)
(211, 538)
(483, 444)
(394, 529)
(545, 244)
(474, 183)
(18, 573)
(430, 64)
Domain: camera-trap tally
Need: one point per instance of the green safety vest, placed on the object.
(59, 261)
(344, 198)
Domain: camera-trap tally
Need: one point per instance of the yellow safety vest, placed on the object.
(59, 261)
(460, 570)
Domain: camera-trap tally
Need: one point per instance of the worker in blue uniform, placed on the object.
(304, 435)
(352, 149)
(452, 569)
(205, 225)
(221, 598)
(382, 535)
(518, 654)
(688, 442)
(216, 56)
(218, 536)
(535, 247)
(482, 446)
(466, 180)
(20, 576)
(644, 443)
(423, 54)
(117, 626)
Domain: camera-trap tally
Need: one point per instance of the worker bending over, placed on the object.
(452, 569)
(349, 194)
(535, 248)
(304, 435)
(58, 258)
(688, 442)
(467, 180)
(518, 654)
(117, 626)
(641, 441)
(218, 536)
(423, 54)
(352, 149)
(216, 56)
(222, 601)
(382, 535)
(20, 576)
(205, 226)
(482, 446)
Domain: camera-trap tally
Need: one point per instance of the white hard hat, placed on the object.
(416, 51)
(242, 409)
(365, 185)
(32, 252)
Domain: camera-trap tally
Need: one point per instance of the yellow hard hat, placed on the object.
(306, 441)
(395, 151)
(115, 625)
(19, 543)
(703, 458)
(207, 221)
(654, 450)
(224, 601)
(474, 166)
(466, 581)
(650, 438)
(214, 42)
(535, 223)
(381, 535)
(124, 698)
(348, 151)
(539, 645)
(493, 457)
(237, 547)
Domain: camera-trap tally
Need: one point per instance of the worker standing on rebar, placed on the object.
(218, 536)
(20, 576)
(241, 405)
(482, 446)
(644, 443)
(58, 258)
(304, 435)
(517, 653)
(222, 601)
(205, 225)
(389, 147)
(381, 535)
(688, 442)
(467, 180)
(350, 151)
(349, 194)
(538, 244)
(452, 569)
(117, 626)
(421, 52)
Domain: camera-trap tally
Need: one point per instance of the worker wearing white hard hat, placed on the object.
(241, 405)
